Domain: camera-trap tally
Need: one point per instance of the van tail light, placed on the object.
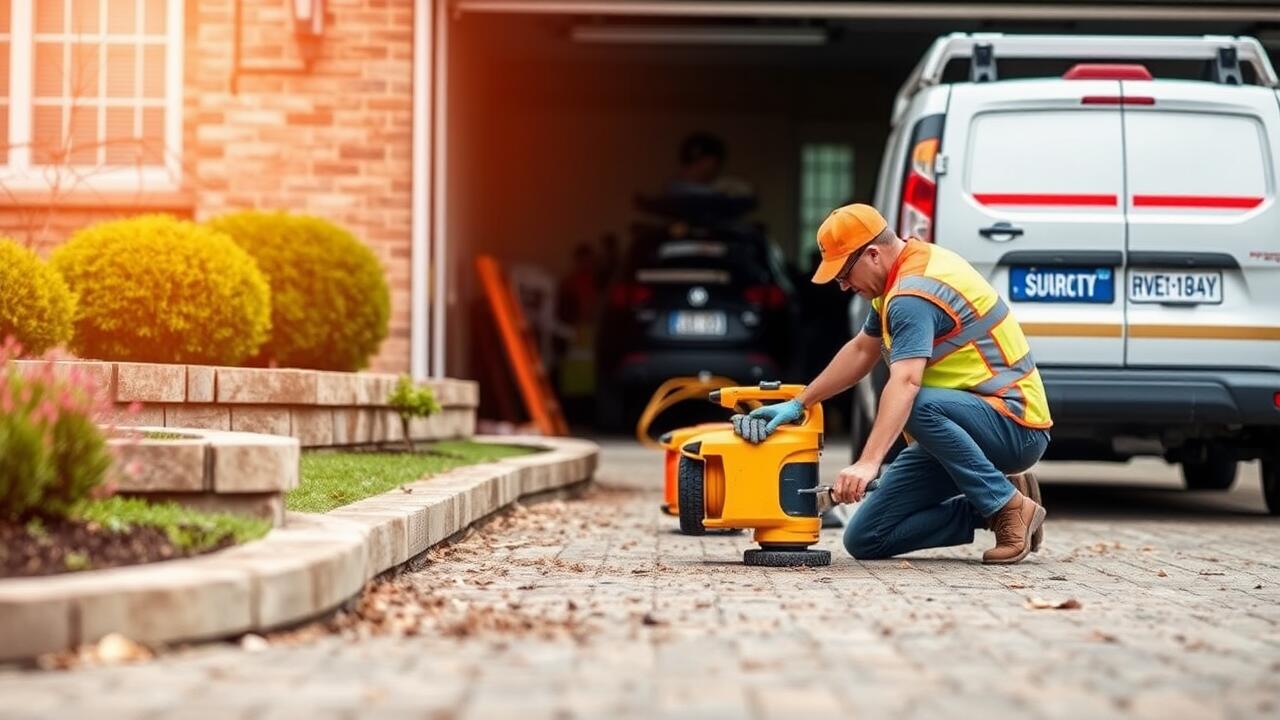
(625, 295)
(920, 192)
(1117, 100)
(766, 296)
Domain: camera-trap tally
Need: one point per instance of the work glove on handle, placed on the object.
(764, 420)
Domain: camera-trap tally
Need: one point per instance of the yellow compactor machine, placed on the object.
(726, 482)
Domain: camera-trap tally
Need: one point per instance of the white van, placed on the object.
(1130, 219)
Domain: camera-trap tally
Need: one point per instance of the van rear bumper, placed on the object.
(1131, 396)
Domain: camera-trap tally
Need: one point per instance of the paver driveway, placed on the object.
(595, 608)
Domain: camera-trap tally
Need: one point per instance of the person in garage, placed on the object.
(701, 174)
(962, 385)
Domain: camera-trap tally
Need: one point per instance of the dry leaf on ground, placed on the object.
(1035, 603)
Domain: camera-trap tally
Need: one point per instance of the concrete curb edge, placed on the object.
(308, 567)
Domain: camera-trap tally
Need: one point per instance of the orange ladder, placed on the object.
(521, 350)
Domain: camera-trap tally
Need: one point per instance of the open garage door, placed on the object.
(559, 113)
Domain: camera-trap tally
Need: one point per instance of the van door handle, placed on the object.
(1000, 232)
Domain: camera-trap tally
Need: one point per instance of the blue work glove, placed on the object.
(764, 420)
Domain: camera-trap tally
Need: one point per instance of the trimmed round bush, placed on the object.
(35, 304)
(157, 289)
(329, 299)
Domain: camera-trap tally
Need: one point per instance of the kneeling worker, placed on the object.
(962, 384)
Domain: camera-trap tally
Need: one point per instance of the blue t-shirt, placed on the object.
(914, 323)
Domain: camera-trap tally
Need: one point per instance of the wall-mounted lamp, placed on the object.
(308, 25)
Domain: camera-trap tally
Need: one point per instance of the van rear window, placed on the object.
(1064, 157)
(1215, 157)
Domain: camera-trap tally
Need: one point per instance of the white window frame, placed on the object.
(21, 174)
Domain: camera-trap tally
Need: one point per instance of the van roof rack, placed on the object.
(983, 50)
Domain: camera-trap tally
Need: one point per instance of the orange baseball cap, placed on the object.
(843, 233)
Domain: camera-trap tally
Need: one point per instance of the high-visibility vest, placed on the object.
(986, 352)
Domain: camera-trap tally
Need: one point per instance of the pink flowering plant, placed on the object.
(52, 452)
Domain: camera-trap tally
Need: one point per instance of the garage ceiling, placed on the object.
(1182, 10)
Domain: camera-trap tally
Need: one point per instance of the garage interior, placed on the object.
(556, 121)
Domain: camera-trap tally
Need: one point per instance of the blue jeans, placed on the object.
(944, 485)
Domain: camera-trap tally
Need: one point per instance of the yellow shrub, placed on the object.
(329, 299)
(158, 289)
(35, 304)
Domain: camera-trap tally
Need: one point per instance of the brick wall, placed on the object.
(333, 140)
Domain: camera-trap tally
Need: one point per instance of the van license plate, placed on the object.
(1176, 287)
(701, 324)
(1064, 285)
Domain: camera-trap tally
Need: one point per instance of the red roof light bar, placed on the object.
(1108, 71)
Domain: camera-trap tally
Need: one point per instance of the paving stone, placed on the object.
(205, 417)
(183, 603)
(98, 374)
(200, 383)
(162, 465)
(337, 388)
(353, 426)
(266, 420)
(247, 462)
(27, 628)
(388, 536)
(261, 386)
(145, 416)
(150, 382)
(312, 426)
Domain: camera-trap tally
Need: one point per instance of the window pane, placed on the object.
(826, 182)
(48, 70)
(85, 70)
(84, 136)
(46, 134)
(156, 17)
(4, 133)
(85, 16)
(121, 66)
(122, 16)
(153, 136)
(123, 147)
(153, 71)
(4, 73)
(49, 16)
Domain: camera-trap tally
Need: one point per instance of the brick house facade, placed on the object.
(332, 137)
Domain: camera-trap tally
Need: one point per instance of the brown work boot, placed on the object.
(1027, 484)
(1014, 525)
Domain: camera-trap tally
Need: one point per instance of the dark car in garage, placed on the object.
(692, 299)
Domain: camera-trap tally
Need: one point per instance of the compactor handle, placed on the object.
(766, 391)
(729, 397)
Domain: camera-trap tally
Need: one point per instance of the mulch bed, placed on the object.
(58, 546)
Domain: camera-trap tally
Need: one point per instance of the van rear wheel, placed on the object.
(1214, 469)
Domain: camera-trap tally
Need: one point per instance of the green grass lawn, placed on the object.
(191, 530)
(333, 479)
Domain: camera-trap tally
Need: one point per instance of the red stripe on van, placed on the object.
(1196, 201)
(1043, 199)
